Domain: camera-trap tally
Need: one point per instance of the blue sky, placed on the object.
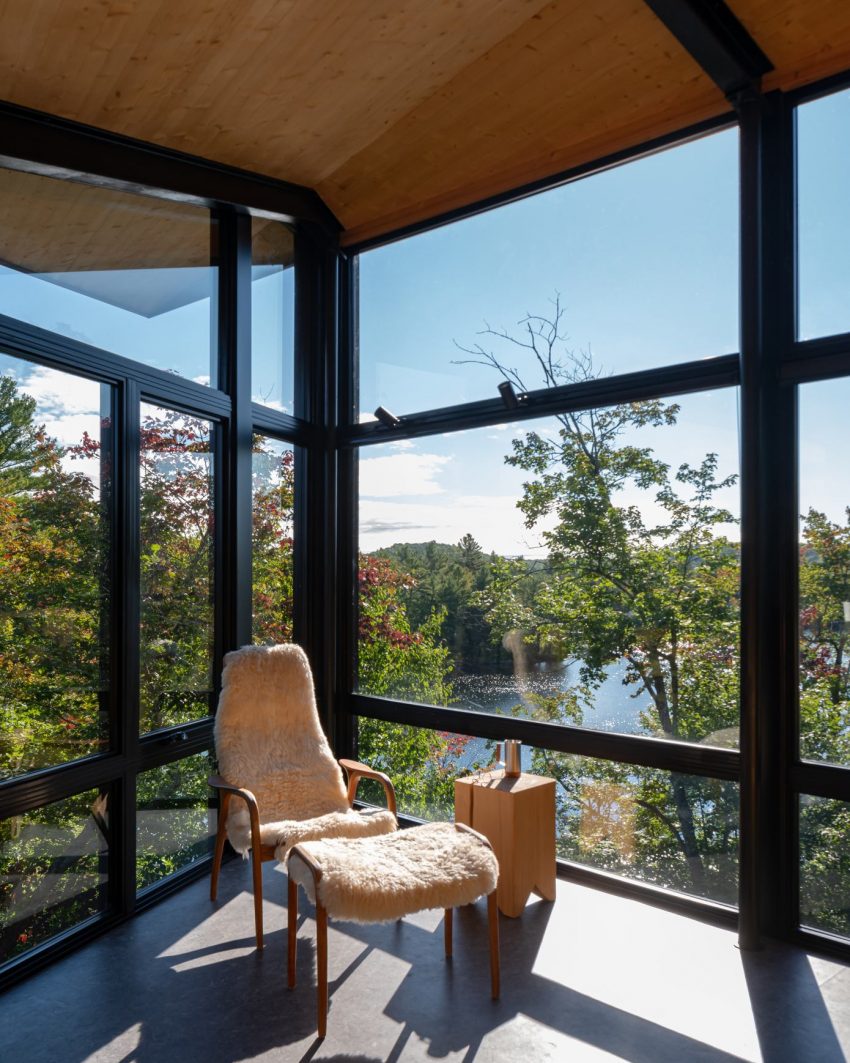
(644, 260)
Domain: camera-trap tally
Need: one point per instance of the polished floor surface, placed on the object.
(590, 977)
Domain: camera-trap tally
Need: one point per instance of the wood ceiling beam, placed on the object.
(711, 33)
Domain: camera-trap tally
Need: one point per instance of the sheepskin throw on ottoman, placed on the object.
(382, 878)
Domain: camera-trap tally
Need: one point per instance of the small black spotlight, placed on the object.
(509, 396)
(387, 418)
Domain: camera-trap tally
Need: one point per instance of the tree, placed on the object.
(177, 565)
(825, 717)
(273, 497)
(660, 596)
(396, 659)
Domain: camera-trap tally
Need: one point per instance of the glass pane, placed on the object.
(127, 273)
(273, 494)
(672, 830)
(55, 495)
(824, 574)
(825, 864)
(823, 215)
(175, 818)
(176, 567)
(641, 260)
(272, 314)
(423, 765)
(53, 870)
(582, 570)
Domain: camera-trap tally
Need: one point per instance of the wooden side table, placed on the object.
(517, 815)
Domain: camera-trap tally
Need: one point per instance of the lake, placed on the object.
(613, 709)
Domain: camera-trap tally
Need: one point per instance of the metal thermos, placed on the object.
(513, 758)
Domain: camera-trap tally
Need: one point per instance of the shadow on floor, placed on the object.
(791, 1016)
(185, 983)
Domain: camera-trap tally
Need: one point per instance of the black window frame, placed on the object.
(44, 144)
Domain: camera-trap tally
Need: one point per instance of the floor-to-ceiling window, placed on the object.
(565, 558)
(820, 365)
(124, 320)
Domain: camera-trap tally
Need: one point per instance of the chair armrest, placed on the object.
(217, 783)
(357, 771)
(307, 860)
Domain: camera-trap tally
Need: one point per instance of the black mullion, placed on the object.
(161, 748)
(307, 354)
(347, 601)
(818, 359)
(128, 631)
(642, 750)
(821, 780)
(62, 352)
(281, 425)
(315, 607)
(233, 471)
(43, 787)
(778, 679)
(768, 530)
(683, 379)
(346, 505)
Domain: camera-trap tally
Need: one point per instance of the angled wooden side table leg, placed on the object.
(517, 815)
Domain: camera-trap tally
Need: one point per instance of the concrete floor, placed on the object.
(592, 977)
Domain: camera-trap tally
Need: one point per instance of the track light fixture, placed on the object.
(386, 418)
(509, 396)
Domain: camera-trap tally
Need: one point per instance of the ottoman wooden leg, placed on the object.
(292, 927)
(322, 967)
(447, 932)
(493, 919)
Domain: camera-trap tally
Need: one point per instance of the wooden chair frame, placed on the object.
(355, 771)
(322, 933)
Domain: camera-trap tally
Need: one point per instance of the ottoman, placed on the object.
(382, 878)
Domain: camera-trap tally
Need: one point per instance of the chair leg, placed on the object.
(257, 862)
(322, 967)
(493, 919)
(220, 835)
(292, 937)
(447, 932)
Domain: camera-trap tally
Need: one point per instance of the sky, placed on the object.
(644, 261)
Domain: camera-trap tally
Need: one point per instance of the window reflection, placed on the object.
(128, 273)
(55, 499)
(53, 870)
(581, 570)
(176, 542)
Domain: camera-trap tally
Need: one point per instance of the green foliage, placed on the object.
(272, 542)
(176, 579)
(658, 598)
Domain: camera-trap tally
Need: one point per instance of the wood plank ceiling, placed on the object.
(393, 110)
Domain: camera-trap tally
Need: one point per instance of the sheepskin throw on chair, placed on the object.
(269, 740)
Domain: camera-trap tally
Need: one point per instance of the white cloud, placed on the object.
(60, 394)
(493, 520)
(402, 474)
